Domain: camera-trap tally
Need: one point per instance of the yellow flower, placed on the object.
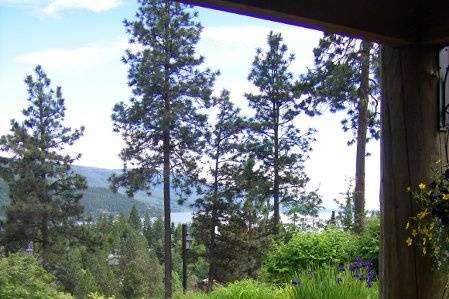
(409, 241)
(414, 233)
(445, 196)
(408, 225)
(422, 186)
(409, 189)
(423, 214)
(424, 251)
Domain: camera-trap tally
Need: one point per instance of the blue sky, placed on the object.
(80, 42)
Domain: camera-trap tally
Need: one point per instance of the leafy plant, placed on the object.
(245, 289)
(98, 296)
(21, 276)
(368, 244)
(429, 228)
(308, 250)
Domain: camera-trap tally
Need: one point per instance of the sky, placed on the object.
(80, 43)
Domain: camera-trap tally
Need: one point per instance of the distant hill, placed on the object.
(98, 177)
(99, 199)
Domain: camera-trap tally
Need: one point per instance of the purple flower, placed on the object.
(341, 267)
(363, 270)
(296, 282)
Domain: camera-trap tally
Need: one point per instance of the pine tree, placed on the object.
(224, 149)
(345, 78)
(345, 215)
(45, 193)
(245, 238)
(280, 146)
(134, 219)
(304, 210)
(161, 125)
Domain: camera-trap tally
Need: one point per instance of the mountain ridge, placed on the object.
(99, 199)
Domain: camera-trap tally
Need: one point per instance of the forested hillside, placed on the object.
(98, 177)
(99, 199)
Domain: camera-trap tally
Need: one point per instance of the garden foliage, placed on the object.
(309, 250)
(244, 289)
(324, 283)
(21, 276)
(329, 283)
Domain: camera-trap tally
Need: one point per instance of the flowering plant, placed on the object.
(429, 228)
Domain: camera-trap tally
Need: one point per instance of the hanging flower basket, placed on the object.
(429, 228)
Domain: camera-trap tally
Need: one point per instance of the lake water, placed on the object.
(181, 217)
(186, 217)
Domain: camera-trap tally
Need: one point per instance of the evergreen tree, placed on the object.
(223, 148)
(345, 215)
(280, 146)
(244, 239)
(304, 210)
(332, 220)
(153, 232)
(242, 234)
(161, 125)
(345, 78)
(134, 219)
(44, 191)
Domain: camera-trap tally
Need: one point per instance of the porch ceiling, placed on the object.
(392, 22)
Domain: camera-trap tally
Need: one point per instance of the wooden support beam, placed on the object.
(388, 22)
(410, 145)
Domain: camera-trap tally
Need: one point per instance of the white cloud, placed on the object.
(93, 5)
(52, 7)
(236, 45)
(76, 59)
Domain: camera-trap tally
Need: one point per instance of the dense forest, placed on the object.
(78, 232)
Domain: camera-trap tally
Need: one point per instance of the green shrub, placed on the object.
(328, 283)
(309, 250)
(21, 276)
(98, 296)
(369, 241)
(245, 289)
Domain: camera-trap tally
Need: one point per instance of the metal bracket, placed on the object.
(443, 89)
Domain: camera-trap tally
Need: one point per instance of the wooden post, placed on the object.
(184, 257)
(410, 144)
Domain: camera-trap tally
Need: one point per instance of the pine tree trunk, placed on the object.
(167, 216)
(211, 274)
(362, 126)
(410, 145)
(167, 170)
(276, 214)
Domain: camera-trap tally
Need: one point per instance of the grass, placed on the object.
(319, 284)
(322, 284)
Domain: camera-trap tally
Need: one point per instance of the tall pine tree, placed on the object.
(134, 219)
(345, 78)
(161, 125)
(280, 146)
(224, 150)
(44, 191)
